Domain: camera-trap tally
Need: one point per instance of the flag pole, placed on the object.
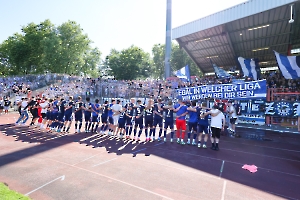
(168, 39)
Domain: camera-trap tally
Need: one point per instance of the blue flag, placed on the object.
(250, 67)
(221, 73)
(288, 65)
(183, 74)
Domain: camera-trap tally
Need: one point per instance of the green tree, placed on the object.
(44, 47)
(179, 59)
(130, 64)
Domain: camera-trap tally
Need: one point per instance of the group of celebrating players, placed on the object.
(123, 121)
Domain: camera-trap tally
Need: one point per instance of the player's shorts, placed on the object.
(95, 118)
(180, 124)
(116, 119)
(169, 124)
(121, 123)
(68, 117)
(128, 121)
(78, 117)
(139, 123)
(111, 120)
(216, 132)
(148, 122)
(61, 117)
(192, 125)
(203, 129)
(233, 120)
(157, 121)
(54, 116)
(87, 118)
(104, 119)
(44, 115)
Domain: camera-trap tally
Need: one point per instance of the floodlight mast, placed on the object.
(168, 39)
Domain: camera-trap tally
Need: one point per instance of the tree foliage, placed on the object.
(179, 59)
(130, 64)
(45, 47)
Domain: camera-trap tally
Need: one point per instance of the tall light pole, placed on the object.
(168, 39)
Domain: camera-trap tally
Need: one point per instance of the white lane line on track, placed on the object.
(224, 189)
(120, 181)
(282, 172)
(104, 162)
(61, 178)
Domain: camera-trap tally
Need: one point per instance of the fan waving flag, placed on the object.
(250, 67)
(288, 65)
(221, 73)
(183, 74)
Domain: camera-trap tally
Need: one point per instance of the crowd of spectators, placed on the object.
(111, 88)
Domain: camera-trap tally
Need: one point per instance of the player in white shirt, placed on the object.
(233, 117)
(217, 124)
(117, 109)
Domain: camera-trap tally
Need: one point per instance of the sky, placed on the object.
(110, 24)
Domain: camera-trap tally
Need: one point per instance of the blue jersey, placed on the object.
(95, 109)
(158, 116)
(182, 110)
(202, 121)
(62, 107)
(193, 116)
(55, 106)
(139, 110)
(78, 107)
(88, 106)
(69, 111)
(149, 113)
(105, 110)
(110, 112)
(130, 109)
(169, 114)
(122, 117)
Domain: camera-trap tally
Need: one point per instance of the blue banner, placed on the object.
(238, 91)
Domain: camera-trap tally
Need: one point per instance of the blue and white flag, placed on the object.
(250, 67)
(183, 74)
(221, 73)
(288, 65)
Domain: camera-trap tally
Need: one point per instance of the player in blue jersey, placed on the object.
(129, 117)
(54, 113)
(104, 117)
(61, 114)
(192, 123)
(68, 114)
(139, 119)
(121, 122)
(88, 114)
(110, 117)
(181, 111)
(169, 120)
(78, 112)
(158, 118)
(203, 124)
(149, 119)
(95, 115)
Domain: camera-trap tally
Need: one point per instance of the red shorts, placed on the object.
(180, 124)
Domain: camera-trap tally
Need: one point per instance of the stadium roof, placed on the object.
(252, 29)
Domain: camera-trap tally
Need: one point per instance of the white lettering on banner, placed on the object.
(269, 108)
(249, 86)
(229, 95)
(244, 106)
(255, 107)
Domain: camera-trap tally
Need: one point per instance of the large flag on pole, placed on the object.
(183, 74)
(221, 73)
(250, 67)
(288, 65)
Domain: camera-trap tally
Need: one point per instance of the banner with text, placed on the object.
(246, 90)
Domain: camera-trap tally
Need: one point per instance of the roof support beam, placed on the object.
(275, 45)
